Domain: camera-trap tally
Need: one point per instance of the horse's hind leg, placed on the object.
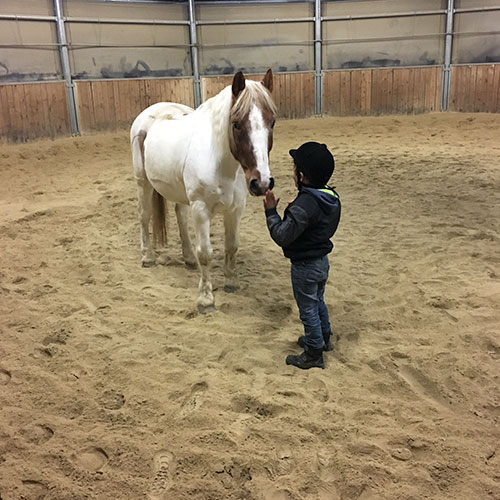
(145, 209)
(182, 213)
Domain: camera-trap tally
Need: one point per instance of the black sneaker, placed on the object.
(310, 358)
(326, 337)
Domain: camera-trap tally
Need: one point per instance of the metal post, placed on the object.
(445, 93)
(194, 54)
(63, 53)
(318, 73)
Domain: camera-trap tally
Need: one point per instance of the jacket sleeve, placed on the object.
(286, 231)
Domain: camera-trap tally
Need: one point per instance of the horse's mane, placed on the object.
(254, 93)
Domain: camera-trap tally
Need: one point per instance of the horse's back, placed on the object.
(158, 111)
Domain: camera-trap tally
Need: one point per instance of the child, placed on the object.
(304, 234)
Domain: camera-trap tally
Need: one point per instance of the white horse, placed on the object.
(193, 159)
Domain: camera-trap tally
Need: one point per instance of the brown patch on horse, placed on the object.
(245, 96)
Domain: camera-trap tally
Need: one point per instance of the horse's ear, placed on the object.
(268, 80)
(238, 83)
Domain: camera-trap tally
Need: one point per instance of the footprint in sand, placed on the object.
(5, 376)
(163, 465)
(318, 388)
(112, 400)
(325, 468)
(35, 489)
(421, 385)
(193, 401)
(37, 434)
(92, 459)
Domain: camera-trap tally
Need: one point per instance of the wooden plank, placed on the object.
(439, 93)
(365, 91)
(84, 99)
(309, 96)
(345, 92)
(355, 102)
(46, 128)
(390, 91)
(117, 105)
(97, 105)
(110, 106)
(37, 113)
(4, 112)
(297, 91)
(398, 101)
(430, 89)
(496, 89)
(460, 83)
(404, 91)
(378, 88)
(28, 110)
(482, 88)
(472, 105)
(490, 95)
(411, 90)
(288, 98)
(478, 90)
(422, 91)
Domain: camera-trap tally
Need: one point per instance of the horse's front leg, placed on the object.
(201, 218)
(232, 235)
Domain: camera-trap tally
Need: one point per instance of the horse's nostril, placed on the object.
(254, 186)
(271, 183)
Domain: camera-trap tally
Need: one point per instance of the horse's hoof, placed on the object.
(231, 288)
(206, 309)
(191, 265)
(148, 263)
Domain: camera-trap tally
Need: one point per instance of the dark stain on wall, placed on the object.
(387, 62)
(28, 77)
(489, 56)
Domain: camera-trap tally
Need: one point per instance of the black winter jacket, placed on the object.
(308, 224)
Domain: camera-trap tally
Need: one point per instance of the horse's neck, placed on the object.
(218, 110)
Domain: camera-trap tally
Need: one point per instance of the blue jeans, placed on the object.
(309, 279)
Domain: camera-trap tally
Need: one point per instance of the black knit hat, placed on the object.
(315, 161)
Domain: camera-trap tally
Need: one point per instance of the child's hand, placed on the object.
(269, 200)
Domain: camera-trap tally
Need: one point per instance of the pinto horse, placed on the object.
(204, 161)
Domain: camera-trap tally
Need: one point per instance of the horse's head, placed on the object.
(252, 120)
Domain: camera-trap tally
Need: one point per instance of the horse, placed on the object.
(204, 161)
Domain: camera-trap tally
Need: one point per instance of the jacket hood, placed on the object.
(327, 198)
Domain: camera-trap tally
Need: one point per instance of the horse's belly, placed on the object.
(164, 164)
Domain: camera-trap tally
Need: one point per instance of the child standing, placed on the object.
(304, 234)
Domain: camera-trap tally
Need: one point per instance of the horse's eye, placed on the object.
(237, 125)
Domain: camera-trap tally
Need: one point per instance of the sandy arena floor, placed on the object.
(113, 387)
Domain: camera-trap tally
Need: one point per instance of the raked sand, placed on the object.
(113, 387)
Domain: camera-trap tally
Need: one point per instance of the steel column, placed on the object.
(445, 92)
(63, 53)
(194, 54)
(318, 73)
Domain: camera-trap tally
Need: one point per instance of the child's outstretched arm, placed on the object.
(284, 232)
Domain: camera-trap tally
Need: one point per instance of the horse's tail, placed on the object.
(159, 219)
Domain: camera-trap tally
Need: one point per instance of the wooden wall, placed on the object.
(114, 104)
(475, 88)
(382, 91)
(32, 110)
(293, 93)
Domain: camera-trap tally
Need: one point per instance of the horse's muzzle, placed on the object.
(257, 189)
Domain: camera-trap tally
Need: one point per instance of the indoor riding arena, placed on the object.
(114, 386)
